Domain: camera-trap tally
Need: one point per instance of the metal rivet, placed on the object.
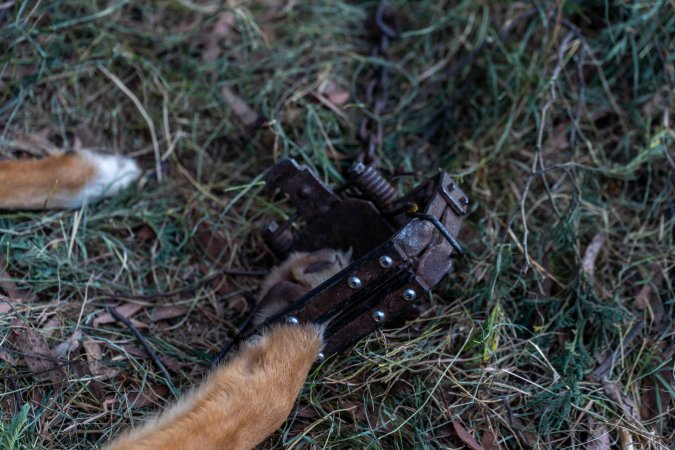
(386, 261)
(378, 316)
(451, 186)
(305, 191)
(464, 201)
(409, 295)
(354, 282)
(292, 320)
(320, 356)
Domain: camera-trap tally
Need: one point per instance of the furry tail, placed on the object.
(64, 181)
(241, 402)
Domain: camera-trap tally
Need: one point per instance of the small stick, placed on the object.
(144, 343)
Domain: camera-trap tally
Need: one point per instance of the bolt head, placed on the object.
(378, 316)
(464, 201)
(357, 168)
(450, 186)
(386, 261)
(292, 320)
(354, 282)
(409, 295)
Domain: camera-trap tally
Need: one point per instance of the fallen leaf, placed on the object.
(36, 353)
(48, 329)
(167, 312)
(466, 436)
(94, 352)
(527, 436)
(7, 304)
(591, 254)
(215, 247)
(87, 378)
(68, 346)
(150, 396)
(489, 440)
(246, 115)
(334, 93)
(126, 310)
(644, 300)
(626, 403)
(305, 411)
(6, 356)
(599, 436)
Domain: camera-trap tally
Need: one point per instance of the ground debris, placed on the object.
(127, 310)
(36, 353)
(599, 436)
(167, 312)
(626, 403)
(242, 111)
(151, 395)
(591, 254)
(466, 436)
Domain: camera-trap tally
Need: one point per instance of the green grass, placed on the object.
(557, 133)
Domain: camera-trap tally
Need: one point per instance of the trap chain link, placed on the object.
(387, 28)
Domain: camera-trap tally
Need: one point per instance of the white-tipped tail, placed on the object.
(112, 173)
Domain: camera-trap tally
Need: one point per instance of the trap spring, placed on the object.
(402, 247)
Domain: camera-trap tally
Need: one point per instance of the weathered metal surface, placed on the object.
(305, 191)
(351, 223)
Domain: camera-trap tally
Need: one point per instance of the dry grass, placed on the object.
(560, 132)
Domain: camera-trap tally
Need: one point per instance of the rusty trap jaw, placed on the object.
(402, 247)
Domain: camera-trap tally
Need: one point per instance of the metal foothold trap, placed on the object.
(402, 247)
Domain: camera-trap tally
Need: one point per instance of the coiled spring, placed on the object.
(372, 184)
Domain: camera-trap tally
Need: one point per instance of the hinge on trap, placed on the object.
(402, 247)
